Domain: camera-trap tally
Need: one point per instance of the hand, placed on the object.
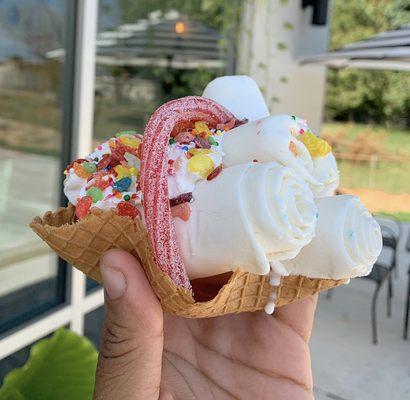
(147, 355)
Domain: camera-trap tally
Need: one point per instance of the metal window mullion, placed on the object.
(93, 301)
(82, 128)
(35, 331)
(78, 132)
(48, 324)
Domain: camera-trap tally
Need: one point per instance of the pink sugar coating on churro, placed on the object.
(169, 118)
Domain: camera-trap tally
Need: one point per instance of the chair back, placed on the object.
(390, 238)
(392, 226)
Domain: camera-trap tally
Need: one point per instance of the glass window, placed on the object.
(17, 359)
(151, 52)
(93, 324)
(31, 64)
(13, 361)
(91, 284)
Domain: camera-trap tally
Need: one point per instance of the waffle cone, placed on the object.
(81, 243)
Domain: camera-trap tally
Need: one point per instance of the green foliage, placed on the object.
(61, 367)
(387, 176)
(395, 141)
(392, 142)
(213, 13)
(221, 15)
(400, 215)
(289, 26)
(281, 46)
(365, 95)
(178, 83)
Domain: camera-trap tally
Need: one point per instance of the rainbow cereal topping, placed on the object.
(109, 176)
(316, 146)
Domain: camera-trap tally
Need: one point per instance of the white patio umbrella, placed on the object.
(169, 40)
(386, 50)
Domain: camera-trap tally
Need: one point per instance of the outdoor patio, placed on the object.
(74, 72)
(342, 322)
(346, 365)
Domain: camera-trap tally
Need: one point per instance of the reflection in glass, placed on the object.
(13, 361)
(30, 113)
(91, 285)
(151, 52)
(93, 323)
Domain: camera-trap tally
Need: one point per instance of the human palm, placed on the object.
(242, 356)
(238, 356)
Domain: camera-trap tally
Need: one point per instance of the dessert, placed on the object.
(260, 214)
(233, 92)
(217, 190)
(346, 251)
(288, 140)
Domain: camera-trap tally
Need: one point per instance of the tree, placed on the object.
(365, 95)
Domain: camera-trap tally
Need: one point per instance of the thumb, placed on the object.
(129, 362)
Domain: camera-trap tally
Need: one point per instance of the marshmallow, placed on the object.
(239, 94)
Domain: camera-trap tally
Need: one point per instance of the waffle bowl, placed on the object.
(82, 243)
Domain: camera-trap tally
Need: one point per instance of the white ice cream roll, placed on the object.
(347, 243)
(249, 216)
(240, 95)
(268, 139)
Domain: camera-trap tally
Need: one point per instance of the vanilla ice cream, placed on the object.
(347, 242)
(252, 214)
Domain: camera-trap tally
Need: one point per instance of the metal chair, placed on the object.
(407, 310)
(381, 273)
(394, 225)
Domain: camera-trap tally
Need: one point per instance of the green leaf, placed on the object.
(288, 25)
(61, 367)
(262, 65)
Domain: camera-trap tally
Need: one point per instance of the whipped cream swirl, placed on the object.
(289, 141)
(253, 214)
(265, 140)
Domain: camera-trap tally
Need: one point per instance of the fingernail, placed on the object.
(113, 281)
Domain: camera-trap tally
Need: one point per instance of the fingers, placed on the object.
(166, 396)
(129, 363)
(299, 315)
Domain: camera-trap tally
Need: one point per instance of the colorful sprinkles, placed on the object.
(111, 175)
(111, 172)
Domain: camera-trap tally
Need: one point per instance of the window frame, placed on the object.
(77, 129)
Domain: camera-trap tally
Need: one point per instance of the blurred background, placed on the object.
(72, 73)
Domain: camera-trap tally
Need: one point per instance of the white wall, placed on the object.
(275, 34)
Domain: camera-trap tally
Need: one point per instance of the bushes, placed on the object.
(368, 96)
